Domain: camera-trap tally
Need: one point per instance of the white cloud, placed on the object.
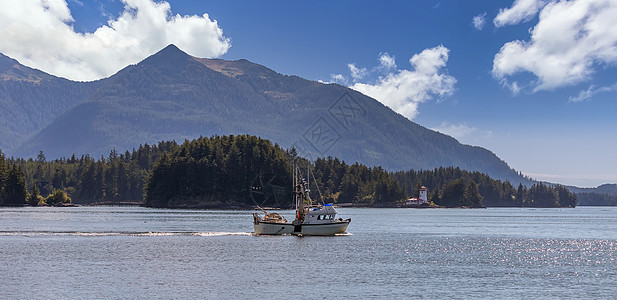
(464, 133)
(403, 90)
(513, 86)
(386, 62)
(338, 78)
(357, 73)
(77, 2)
(521, 11)
(40, 34)
(592, 91)
(479, 21)
(571, 39)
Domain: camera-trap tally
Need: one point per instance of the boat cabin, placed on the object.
(320, 214)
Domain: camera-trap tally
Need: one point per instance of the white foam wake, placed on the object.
(96, 234)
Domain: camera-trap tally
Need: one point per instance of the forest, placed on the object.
(596, 199)
(441, 181)
(243, 172)
(117, 179)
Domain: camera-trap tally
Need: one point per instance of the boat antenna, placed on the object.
(295, 197)
(263, 210)
(308, 181)
(317, 185)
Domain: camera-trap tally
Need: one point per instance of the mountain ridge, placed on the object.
(172, 95)
(31, 99)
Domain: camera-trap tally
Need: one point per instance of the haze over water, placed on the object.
(141, 253)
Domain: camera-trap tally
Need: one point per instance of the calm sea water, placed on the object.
(140, 253)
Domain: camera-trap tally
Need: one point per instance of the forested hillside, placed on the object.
(245, 171)
(31, 99)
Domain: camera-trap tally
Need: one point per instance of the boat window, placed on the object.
(318, 217)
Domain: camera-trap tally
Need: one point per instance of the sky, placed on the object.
(534, 81)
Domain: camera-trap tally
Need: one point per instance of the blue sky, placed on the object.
(533, 81)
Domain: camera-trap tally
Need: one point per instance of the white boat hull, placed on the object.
(266, 228)
(272, 228)
(321, 229)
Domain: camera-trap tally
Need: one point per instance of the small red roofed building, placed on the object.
(423, 199)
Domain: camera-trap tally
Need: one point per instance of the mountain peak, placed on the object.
(169, 58)
(171, 48)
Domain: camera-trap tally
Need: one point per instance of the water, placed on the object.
(140, 253)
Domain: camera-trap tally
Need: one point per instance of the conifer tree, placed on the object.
(15, 191)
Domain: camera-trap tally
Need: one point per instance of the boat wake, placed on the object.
(344, 234)
(97, 234)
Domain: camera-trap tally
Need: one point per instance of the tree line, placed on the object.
(597, 199)
(243, 171)
(115, 179)
(452, 187)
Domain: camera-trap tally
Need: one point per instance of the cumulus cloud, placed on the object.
(592, 91)
(521, 11)
(40, 34)
(357, 73)
(479, 21)
(571, 39)
(386, 62)
(336, 78)
(464, 133)
(403, 90)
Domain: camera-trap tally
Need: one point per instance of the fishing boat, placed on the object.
(311, 219)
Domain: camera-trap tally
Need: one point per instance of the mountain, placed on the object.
(32, 99)
(605, 189)
(172, 95)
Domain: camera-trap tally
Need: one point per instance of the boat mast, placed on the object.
(294, 186)
(308, 183)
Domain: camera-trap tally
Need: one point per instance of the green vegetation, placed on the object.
(357, 184)
(222, 172)
(12, 184)
(115, 179)
(57, 198)
(213, 172)
(454, 187)
(597, 199)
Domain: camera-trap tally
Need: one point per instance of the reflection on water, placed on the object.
(131, 252)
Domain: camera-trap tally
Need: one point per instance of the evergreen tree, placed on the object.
(435, 196)
(453, 193)
(41, 157)
(472, 195)
(15, 192)
(3, 178)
